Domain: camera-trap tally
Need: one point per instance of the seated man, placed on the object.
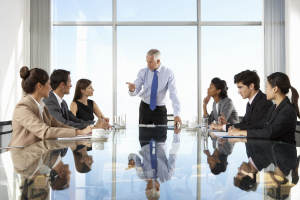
(60, 82)
(248, 86)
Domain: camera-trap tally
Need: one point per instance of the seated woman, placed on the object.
(82, 107)
(31, 120)
(281, 120)
(222, 104)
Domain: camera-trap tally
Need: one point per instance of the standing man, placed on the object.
(156, 79)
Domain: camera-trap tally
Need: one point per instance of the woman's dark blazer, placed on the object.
(278, 124)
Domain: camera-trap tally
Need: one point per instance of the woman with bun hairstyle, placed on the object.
(222, 104)
(281, 120)
(31, 120)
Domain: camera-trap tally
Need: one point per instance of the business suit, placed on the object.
(256, 112)
(55, 110)
(278, 124)
(30, 127)
(227, 108)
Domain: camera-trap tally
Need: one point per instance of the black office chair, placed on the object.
(297, 134)
(241, 118)
(5, 127)
(5, 133)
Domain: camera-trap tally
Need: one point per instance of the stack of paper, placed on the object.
(225, 135)
(82, 137)
(78, 137)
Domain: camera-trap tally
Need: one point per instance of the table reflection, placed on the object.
(188, 166)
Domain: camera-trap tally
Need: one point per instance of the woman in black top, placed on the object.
(82, 107)
(280, 121)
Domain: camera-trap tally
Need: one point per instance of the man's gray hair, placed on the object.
(153, 194)
(155, 53)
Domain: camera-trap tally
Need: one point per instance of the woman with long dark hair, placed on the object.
(31, 120)
(82, 107)
(281, 120)
(222, 104)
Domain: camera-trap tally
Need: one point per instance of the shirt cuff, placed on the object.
(131, 93)
(158, 180)
(176, 113)
(224, 127)
(176, 138)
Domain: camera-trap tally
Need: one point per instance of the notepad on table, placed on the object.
(78, 137)
(225, 135)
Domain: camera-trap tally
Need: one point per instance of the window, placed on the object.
(178, 46)
(229, 50)
(86, 52)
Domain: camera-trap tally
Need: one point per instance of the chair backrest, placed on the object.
(241, 118)
(297, 134)
(5, 127)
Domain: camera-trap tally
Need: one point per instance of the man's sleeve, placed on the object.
(138, 83)
(173, 95)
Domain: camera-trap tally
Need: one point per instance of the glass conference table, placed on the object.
(190, 165)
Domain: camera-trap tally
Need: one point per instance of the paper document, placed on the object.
(78, 137)
(215, 131)
(225, 135)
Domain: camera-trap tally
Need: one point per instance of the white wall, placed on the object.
(292, 34)
(14, 23)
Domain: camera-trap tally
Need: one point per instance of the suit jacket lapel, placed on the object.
(215, 111)
(219, 109)
(276, 111)
(35, 107)
(255, 100)
(66, 109)
(53, 97)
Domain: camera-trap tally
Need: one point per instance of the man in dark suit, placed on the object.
(248, 86)
(60, 82)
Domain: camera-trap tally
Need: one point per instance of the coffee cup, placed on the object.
(98, 133)
(97, 145)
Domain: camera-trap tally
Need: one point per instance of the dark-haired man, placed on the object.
(60, 82)
(248, 86)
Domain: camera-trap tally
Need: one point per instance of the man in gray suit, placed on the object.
(60, 82)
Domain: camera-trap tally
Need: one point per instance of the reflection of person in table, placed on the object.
(156, 80)
(218, 160)
(165, 166)
(261, 155)
(41, 161)
(83, 161)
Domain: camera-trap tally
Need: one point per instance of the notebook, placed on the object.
(225, 135)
